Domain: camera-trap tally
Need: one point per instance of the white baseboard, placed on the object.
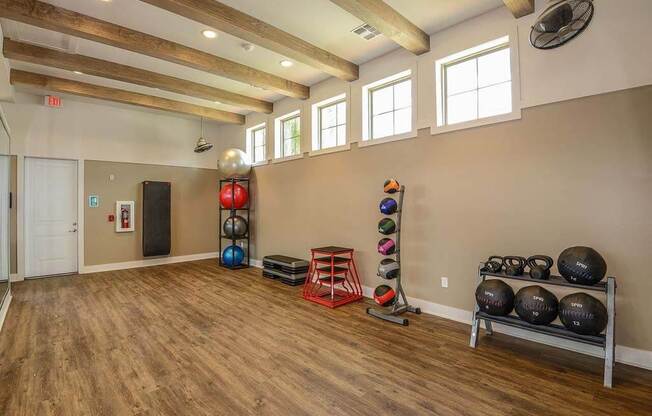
(635, 357)
(146, 262)
(625, 355)
(5, 309)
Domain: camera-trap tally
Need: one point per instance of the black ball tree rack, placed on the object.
(401, 304)
(231, 212)
(604, 341)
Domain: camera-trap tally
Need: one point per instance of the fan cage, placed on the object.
(582, 15)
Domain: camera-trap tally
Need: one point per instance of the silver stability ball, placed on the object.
(234, 163)
(235, 226)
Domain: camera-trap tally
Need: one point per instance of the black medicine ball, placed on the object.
(582, 265)
(583, 314)
(536, 305)
(495, 297)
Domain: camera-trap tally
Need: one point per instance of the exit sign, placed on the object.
(53, 101)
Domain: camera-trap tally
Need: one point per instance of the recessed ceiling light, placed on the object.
(209, 34)
(286, 63)
(78, 72)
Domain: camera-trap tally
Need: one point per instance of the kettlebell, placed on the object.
(514, 265)
(494, 264)
(540, 271)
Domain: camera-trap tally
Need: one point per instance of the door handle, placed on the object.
(72, 231)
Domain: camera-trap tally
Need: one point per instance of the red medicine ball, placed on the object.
(384, 295)
(233, 197)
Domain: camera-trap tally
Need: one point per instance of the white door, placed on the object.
(50, 217)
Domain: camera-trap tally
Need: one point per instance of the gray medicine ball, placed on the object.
(388, 269)
(235, 226)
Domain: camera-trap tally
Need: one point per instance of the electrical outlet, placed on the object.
(444, 282)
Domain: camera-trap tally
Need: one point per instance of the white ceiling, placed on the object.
(319, 22)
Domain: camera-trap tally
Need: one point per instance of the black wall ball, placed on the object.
(582, 265)
(583, 314)
(495, 297)
(536, 305)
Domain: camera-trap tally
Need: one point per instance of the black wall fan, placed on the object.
(561, 22)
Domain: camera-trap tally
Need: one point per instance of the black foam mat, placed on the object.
(157, 205)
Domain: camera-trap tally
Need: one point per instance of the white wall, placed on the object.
(612, 54)
(96, 130)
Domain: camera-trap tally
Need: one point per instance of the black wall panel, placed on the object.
(157, 202)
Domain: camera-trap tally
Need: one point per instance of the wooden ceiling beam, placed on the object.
(520, 8)
(92, 66)
(47, 16)
(66, 86)
(389, 22)
(229, 20)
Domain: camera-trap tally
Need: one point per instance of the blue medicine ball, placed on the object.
(388, 206)
(232, 256)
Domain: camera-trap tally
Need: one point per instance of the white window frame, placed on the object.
(250, 144)
(279, 139)
(367, 112)
(508, 41)
(316, 125)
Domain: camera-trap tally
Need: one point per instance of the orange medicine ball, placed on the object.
(391, 186)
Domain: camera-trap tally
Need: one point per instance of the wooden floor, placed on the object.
(192, 339)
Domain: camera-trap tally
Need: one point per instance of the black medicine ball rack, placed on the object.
(232, 212)
(401, 304)
(604, 341)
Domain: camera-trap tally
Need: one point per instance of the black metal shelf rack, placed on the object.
(604, 341)
(232, 212)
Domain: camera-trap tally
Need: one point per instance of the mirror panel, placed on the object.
(5, 183)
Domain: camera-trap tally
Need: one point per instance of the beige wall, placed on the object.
(194, 209)
(576, 172)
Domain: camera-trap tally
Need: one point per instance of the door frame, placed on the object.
(21, 167)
